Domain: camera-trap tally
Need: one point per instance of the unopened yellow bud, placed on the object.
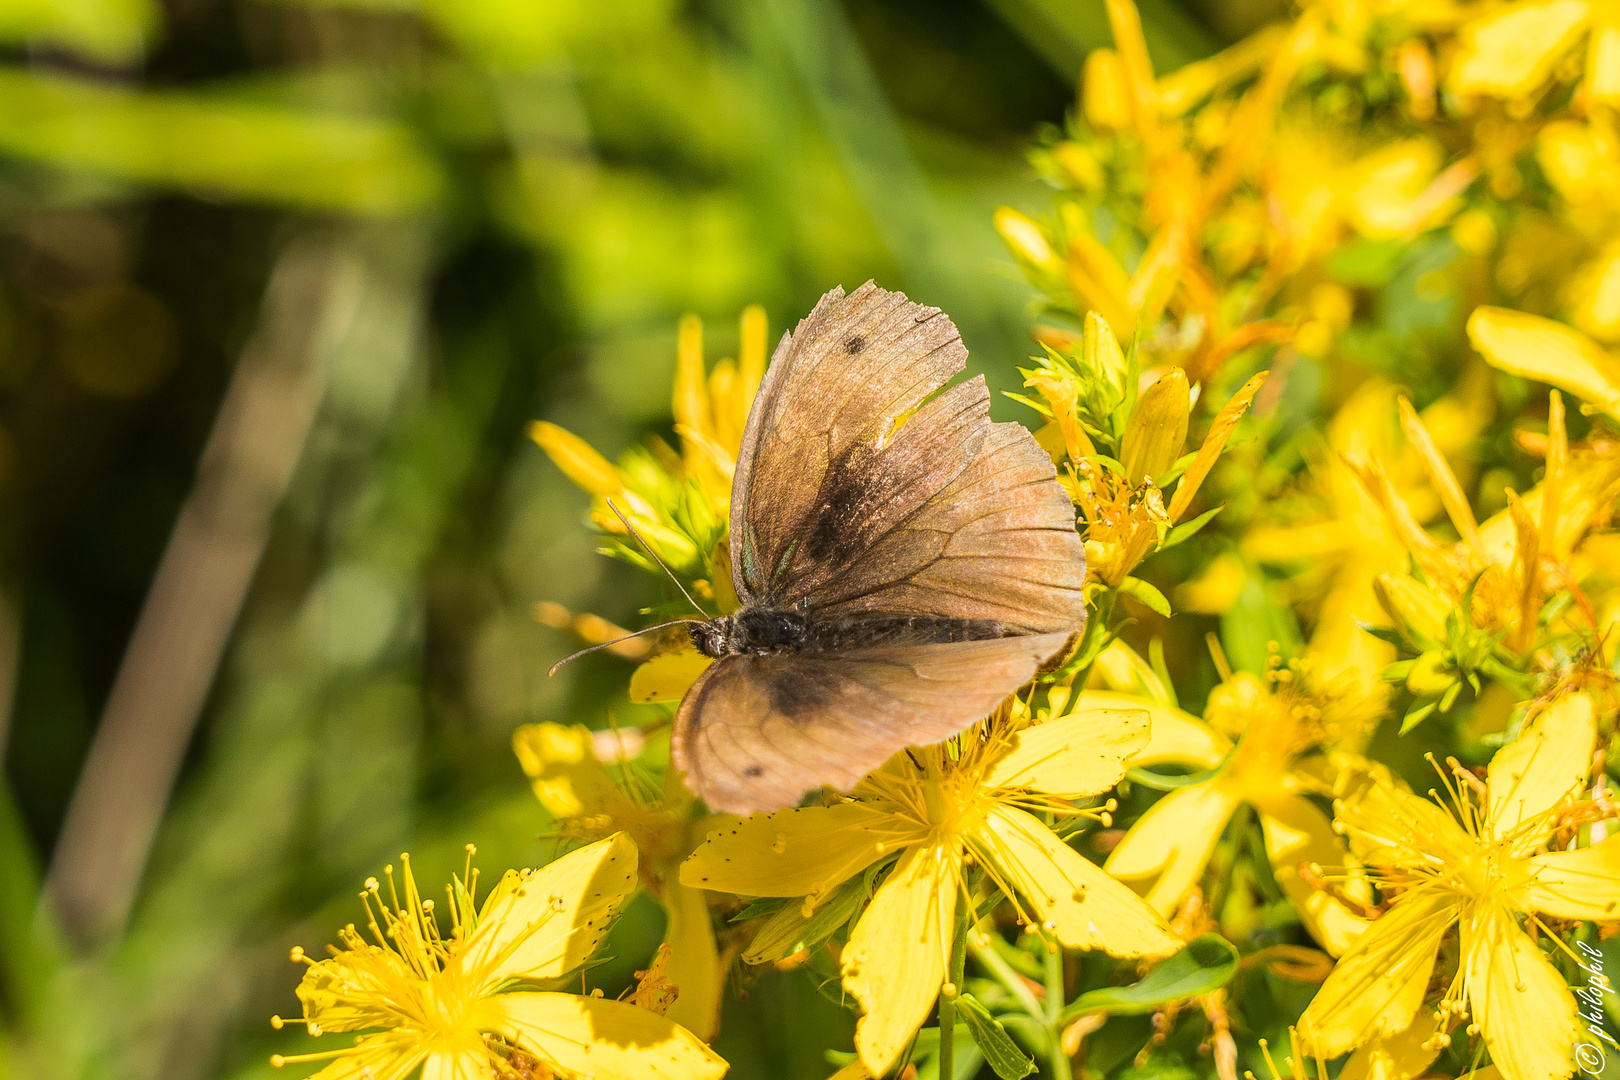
(1416, 610)
(574, 456)
(1157, 430)
(1235, 703)
(1100, 350)
(1430, 674)
(1026, 240)
(1104, 92)
(1081, 166)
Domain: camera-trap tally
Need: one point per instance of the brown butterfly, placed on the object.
(903, 563)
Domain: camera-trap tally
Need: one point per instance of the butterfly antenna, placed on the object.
(648, 549)
(615, 641)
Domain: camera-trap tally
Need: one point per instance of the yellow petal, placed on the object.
(1377, 987)
(1071, 896)
(1220, 430)
(543, 925)
(1580, 884)
(602, 1038)
(469, 1063)
(1580, 162)
(389, 1055)
(1512, 52)
(574, 456)
(1595, 289)
(1603, 63)
(1547, 762)
(1081, 754)
(753, 340)
(1541, 349)
(895, 961)
(795, 852)
(668, 676)
(1119, 668)
(1298, 833)
(1522, 1005)
(1175, 738)
(1157, 429)
(1385, 186)
(1171, 843)
(694, 961)
(567, 777)
(1396, 1057)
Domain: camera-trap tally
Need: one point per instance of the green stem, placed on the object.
(1061, 1069)
(1010, 980)
(947, 995)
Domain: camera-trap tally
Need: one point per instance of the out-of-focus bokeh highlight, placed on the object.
(282, 286)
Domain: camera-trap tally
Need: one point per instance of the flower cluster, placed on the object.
(1327, 357)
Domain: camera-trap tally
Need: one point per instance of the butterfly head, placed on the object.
(755, 630)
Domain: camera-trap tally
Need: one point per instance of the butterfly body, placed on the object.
(760, 631)
(903, 563)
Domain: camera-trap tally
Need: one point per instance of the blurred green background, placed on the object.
(281, 285)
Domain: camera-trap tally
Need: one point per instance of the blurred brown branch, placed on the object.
(199, 588)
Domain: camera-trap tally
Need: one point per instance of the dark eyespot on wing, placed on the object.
(855, 344)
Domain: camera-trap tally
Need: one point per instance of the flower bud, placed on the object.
(1100, 350)
(1104, 92)
(1157, 430)
(1026, 240)
(1416, 610)
(1430, 674)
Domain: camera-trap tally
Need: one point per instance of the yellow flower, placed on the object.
(1512, 51)
(1474, 865)
(678, 503)
(1509, 564)
(1344, 540)
(973, 798)
(574, 785)
(443, 1003)
(1281, 726)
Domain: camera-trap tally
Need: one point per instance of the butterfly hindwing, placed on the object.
(757, 732)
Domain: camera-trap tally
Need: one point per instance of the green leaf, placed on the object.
(1003, 1055)
(1186, 529)
(1416, 715)
(1206, 964)
(761, 907)
(1138, 589)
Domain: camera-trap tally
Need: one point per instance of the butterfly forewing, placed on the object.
(930, 555)
(757, 732)
(810, 454)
